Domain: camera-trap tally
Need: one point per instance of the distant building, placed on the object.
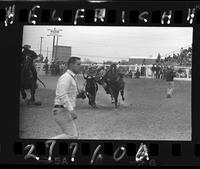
(140, 61)
(62, 53)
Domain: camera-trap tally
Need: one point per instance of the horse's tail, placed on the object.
(41, 82)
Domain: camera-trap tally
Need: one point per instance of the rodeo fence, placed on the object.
(182, 73)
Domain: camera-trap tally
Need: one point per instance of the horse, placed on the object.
(28, 80)
(114, 84)
(91, 89)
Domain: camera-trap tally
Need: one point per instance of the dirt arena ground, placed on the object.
(146, 113)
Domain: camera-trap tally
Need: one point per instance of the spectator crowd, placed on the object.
(183, 58)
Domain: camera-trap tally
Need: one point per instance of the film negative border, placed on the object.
(105, 13)
(106, 153)
(93, 152)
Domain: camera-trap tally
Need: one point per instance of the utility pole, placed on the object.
(41, 44)
(47, 52)
(53, 53)
(54, 32)
(57, 45)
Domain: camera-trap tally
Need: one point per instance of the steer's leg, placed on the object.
(93, 101)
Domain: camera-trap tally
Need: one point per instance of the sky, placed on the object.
(101, 43)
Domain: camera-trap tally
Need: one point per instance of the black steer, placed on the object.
(91, 89)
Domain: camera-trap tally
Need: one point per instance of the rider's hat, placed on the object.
(26, 46)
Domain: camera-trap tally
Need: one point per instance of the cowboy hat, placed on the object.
(26, 47)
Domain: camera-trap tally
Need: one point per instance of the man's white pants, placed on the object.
(63, 118)
(170, 88)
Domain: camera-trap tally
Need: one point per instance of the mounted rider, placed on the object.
(92, 70)
(29, 77)
(27, 52)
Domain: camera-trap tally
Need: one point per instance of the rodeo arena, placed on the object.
(144, 111)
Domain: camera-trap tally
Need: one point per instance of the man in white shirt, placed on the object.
(65, 101)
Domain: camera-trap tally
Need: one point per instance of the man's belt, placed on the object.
(58, 106)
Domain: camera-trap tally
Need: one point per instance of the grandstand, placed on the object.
(179, 57)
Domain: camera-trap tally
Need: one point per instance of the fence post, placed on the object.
(187, 73)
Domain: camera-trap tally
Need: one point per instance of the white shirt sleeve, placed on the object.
(63, 87)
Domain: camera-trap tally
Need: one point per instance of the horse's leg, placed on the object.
(122, 94)
(96, 89)
(112, 96)
(116, 98)
(33, 92)
(23, 93)
(89, 102)
(32, 100)
(32, 95)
